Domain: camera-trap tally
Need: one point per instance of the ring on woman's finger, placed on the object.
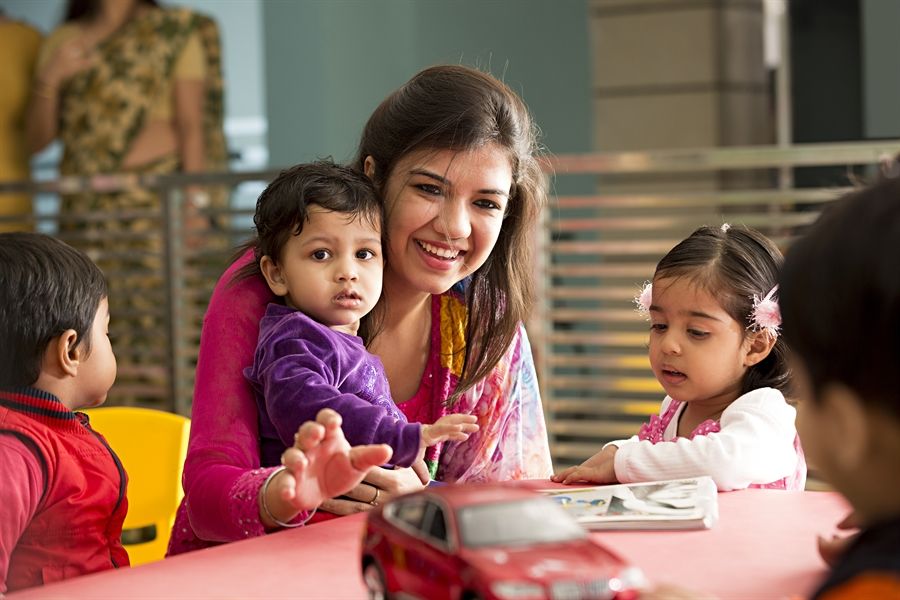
(374, 500)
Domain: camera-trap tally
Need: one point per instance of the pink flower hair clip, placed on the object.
(643, 300)
(766, 314)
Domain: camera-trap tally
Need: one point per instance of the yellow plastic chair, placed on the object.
(152, 445)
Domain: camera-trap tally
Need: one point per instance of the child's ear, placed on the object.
(369, 167)
(274, 276)
(64, 353)
(759, 344)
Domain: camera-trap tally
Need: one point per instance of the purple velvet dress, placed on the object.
(301, 366)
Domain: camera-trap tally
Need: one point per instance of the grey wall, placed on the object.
(881, 68)
(307, 73)
(42, 14)
(329, 63)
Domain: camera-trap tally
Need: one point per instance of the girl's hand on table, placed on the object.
(599, 468)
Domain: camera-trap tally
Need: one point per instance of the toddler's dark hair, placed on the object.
(840, 296)
(283, 207)
(46, 288)
(734, 264)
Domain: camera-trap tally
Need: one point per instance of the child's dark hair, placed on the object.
(46, 288)
(736, 265)
(283, 207)
(840, 296)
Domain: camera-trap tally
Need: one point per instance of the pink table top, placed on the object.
(762, 547)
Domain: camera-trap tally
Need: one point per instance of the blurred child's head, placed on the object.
(840, 300)
(53, 320)
(705, 344)
(319, 228)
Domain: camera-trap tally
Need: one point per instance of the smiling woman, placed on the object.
(452, 154)
(446, 210)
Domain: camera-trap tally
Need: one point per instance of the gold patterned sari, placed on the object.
(102, 111)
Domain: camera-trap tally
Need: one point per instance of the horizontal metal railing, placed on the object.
(597, 246)
(161, 270)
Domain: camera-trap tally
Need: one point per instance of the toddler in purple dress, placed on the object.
(319, 248)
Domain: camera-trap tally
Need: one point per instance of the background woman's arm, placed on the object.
(58, 60)
(41, 121)
(189, 124)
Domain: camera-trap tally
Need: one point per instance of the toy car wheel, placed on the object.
(375, 582)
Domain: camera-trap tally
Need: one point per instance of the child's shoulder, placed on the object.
(282, 323)
(761, 401)
(761, 396)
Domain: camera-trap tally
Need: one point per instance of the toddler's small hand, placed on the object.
(456, 428)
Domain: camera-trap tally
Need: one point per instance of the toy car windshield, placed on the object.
(523, 522)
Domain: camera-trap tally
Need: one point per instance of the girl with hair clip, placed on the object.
(716, 350)
(453, 156)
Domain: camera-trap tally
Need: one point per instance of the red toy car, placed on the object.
(487, 541)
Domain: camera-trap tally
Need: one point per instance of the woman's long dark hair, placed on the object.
(452, 107)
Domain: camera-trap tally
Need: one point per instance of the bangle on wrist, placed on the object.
(265, 504)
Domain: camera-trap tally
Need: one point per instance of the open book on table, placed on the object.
(676, 504)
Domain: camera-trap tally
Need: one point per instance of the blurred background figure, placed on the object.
(130, 87)
(19, 45)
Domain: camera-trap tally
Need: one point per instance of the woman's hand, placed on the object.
(42, 119)
(70, 58)
(380, 486)
(320, 465)
(600, 468)
(196, 222)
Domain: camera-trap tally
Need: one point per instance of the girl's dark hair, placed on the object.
(88, 9)
(735, 265)
(46, 288)
(283, 207)
(452, 107)
(840, 296)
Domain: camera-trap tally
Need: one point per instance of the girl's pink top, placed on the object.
(222, 477)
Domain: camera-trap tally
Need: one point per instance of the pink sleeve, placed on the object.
(20, 494)
(224, 447)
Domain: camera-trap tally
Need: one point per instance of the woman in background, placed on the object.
(19, 45)
(130, 87)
